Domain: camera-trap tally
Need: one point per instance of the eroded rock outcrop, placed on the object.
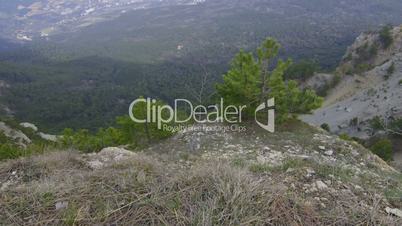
(371, 85)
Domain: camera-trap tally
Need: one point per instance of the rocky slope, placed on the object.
(297, 176)
(23, 134)
(371, 85)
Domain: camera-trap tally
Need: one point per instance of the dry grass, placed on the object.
(146, 191)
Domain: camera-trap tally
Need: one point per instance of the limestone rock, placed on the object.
(321, 185)
(107, 157)
(396, 212)
(61, 205)
(115, 153)
(29, 125)
(48, 137)
(20, 138)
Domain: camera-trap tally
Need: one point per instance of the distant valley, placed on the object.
(150, 30)
(86, 60)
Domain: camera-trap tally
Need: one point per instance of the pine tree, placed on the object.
(250, 82)
(279, 90)
(266, 53)
(241, 83)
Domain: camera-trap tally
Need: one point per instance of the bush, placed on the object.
(365, 53)
(330, 85)
(8, 151)
(126, 132)
(383, 148)
(354, 122)
(360, 68)
(302, 70)
(396, 126)
(349, 71)
(390, 71)
(392, 127)
(386, 37)
(9, 148)
(346, 137)
(326, 127)
(376, 123)
(86, 142)
(349, 57)
(400, 82)
(11, 151)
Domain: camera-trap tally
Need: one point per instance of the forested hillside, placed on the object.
(91, 92)
(85, 72)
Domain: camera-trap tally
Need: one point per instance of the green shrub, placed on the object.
(349, 57)
(383, 148)
(376, 123)
(363, 67)
(323, 91)
(346, 137)
(400, 82)
(84, 141)
(365, 54)
(386, 38)
(326, 127)
(354, 122)
(349, 71)
(391, 69)
(3, 138)
(396, 126)
(9, 151)
(301, 70)
(126, 132)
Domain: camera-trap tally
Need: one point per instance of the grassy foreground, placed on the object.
(59, 189)
(299, 175)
